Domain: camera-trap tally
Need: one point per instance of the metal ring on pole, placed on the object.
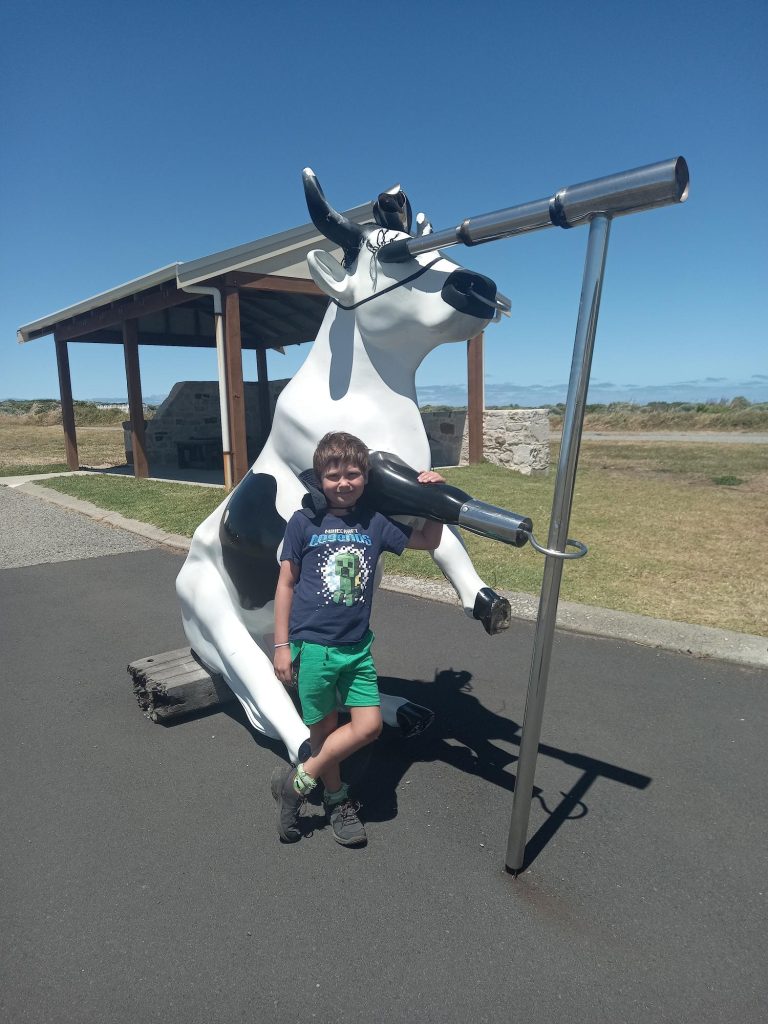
(581, 549)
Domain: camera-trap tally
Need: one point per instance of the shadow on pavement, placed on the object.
(462, 737)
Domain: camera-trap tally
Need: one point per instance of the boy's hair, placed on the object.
(342, 448)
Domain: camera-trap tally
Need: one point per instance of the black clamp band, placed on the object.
(557, 212)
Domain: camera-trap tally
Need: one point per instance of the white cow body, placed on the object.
(360, 377)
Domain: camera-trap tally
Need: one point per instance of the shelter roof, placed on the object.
(279, 303)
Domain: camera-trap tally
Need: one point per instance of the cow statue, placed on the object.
(359, 376)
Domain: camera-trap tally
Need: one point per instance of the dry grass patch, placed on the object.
(25, 448)
(664, 540)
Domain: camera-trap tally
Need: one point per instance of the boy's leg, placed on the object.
(317, 691)
(363, 728)
(342, 812)
(318, 734)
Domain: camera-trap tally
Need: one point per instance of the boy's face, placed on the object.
(342, 484)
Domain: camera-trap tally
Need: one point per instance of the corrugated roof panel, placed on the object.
(283, 254)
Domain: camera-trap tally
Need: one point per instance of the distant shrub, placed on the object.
(46, 412)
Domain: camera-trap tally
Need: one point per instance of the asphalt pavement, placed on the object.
(143, 878)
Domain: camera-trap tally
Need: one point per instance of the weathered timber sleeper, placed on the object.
(174, 684)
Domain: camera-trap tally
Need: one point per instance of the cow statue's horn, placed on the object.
(329, 222)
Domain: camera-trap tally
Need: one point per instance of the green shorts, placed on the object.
(325, 670)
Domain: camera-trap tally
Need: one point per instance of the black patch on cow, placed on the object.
(250, 532)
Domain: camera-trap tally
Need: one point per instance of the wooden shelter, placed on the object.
(257, 296)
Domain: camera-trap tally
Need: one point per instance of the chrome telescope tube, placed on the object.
(644, 188)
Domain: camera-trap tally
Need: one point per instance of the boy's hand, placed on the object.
(283, 665)
(430, 535)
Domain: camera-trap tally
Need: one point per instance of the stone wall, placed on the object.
(515, 438)
(186, 429)
(446, 431)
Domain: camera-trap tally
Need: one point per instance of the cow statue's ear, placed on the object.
(328, 274)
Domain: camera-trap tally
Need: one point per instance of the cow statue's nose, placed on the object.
(471, 293)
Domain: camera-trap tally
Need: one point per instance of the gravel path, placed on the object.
(34, 532)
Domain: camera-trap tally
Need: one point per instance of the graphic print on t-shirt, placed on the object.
(345, 572)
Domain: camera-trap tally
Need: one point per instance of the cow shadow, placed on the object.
(465, 735)
(460, 736)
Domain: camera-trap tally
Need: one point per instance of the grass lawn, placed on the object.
(176, 508)
(675, 531)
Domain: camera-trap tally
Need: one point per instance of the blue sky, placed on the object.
(139, 134)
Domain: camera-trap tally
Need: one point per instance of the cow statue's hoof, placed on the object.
(413, 719)
(305, 751)
(493, 611)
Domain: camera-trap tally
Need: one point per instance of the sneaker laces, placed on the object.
(349, 810)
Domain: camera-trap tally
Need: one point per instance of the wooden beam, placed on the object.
(475, 398)
(135, 402)
(235, 390)
(272, 283)
(126, 309)
(110, 337)
(265, 410)
(67, 405)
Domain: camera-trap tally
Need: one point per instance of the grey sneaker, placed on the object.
(288, 803)
(347, 827)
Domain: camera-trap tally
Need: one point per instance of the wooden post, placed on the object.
(235, 389)
(475, 398)
(135, 401)
(265, 410)
(67, 406)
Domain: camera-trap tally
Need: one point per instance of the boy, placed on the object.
(322, 610)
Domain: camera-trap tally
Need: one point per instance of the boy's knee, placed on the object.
(370, 729)
(376, 730)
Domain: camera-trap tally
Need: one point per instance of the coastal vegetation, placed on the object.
(737, 414)
(47, 412)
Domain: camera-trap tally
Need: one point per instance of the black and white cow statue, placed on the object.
(382, 320)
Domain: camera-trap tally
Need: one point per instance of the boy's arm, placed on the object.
(289, 573)
(430, 535)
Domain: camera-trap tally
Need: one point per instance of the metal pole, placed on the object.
(589, 307)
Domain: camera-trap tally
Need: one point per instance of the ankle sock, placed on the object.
(341, 794)
(303, 783)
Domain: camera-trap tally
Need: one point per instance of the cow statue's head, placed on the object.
(417, 304)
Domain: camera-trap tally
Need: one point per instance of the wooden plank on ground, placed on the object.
(174, 684)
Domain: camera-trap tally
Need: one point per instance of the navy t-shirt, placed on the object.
(337, 559)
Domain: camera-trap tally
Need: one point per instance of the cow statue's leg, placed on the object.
(478, 600)
(220, 639)
(393, 489)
